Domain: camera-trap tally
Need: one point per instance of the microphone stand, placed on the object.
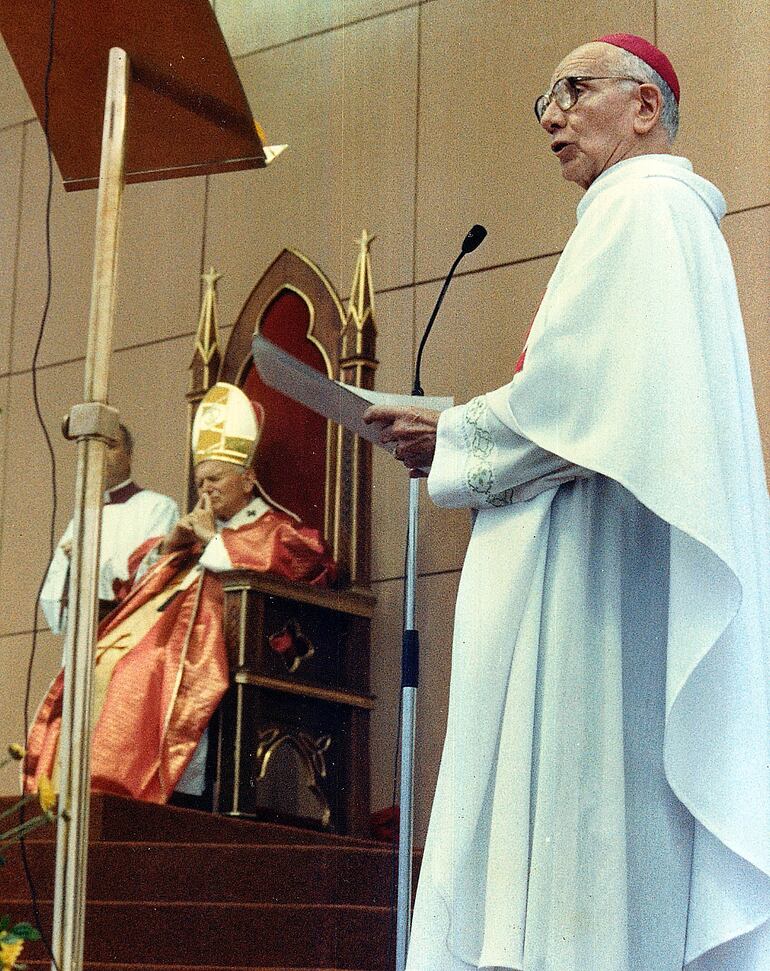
(410, 660)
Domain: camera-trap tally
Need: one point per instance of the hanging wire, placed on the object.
(52, 458)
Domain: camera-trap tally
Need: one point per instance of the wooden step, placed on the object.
(272, 873)
(102, 966)
(228, 935)
(90, 966)
(113, 818)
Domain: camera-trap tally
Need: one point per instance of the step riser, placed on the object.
(247, 874)
(89, 966)
(230, 936)
(115, 818)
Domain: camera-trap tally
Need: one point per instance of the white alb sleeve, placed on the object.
(54, 592)
(481, 462)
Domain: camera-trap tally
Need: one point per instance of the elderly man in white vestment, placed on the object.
(603, 802)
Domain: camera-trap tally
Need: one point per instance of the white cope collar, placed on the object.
(249, 514)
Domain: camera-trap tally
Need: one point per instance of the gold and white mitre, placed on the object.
(227, 427)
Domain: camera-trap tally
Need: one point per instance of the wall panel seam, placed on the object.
(17, 124)
(118, 350)
(17, 241)
(12, 327)
(427, 574)
(738, 212)
(23, 633)
(330, 30)
(204, 234)
(475, 271)
(415, 211)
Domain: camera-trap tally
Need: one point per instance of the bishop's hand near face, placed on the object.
(414, 432)
(197, 525)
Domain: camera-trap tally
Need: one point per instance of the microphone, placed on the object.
(474, 238)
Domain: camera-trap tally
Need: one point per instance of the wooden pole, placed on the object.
(75, 745)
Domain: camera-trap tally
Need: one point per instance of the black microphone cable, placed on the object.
(474, 238)
(52, 457)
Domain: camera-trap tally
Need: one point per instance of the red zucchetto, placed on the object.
(649, 53)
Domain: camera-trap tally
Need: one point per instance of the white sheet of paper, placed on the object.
(339, 402)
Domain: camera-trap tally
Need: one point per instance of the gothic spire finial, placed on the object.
(358, 331)
(206, 356)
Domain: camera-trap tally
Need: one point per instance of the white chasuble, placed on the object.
(603, 802)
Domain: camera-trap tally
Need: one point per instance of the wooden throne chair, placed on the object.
(290, 741)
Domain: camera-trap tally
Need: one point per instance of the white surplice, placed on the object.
(603, 802)
(125, 526)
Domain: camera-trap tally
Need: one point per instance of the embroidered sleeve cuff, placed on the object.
(482, 461)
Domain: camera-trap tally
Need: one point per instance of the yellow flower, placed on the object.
(16, 751)
(9, 953)
(46, 794)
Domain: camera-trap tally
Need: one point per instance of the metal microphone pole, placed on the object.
(410, 661)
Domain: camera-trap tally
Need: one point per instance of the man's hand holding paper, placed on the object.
(412, 430)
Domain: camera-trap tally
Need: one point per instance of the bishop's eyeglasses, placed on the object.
(566, 92)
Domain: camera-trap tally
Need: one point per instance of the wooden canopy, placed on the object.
(188, 115)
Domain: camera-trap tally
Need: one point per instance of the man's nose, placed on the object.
(553, 117)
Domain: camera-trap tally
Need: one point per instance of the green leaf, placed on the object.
(26, 932)
(5, 922)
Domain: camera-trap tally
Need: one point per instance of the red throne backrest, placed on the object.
(295, 306)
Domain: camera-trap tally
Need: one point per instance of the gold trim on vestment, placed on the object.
(178, 682)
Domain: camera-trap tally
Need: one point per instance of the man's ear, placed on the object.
(649, 108)
(249, 480)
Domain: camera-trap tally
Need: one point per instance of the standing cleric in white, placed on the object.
(130, 516)
(603, 802)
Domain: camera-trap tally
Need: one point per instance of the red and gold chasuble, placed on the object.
(172, 668)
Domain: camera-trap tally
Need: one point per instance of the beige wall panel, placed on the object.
(386, 684)
(345, 104)
(11, 148)
(435, 597)
(747, 234)
(14, 658)
(148, 386)
(721, 49)
(483, 158)
(73, 216)
(27, 502)
(15, 106)
(5, 390)
(158, 287)
(158, 263)
(473, 348)
(251, 25)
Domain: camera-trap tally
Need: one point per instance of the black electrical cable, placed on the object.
(52, 456)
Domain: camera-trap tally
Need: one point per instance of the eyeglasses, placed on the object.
(566, 92)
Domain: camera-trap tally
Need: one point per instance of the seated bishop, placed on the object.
(161, 665)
